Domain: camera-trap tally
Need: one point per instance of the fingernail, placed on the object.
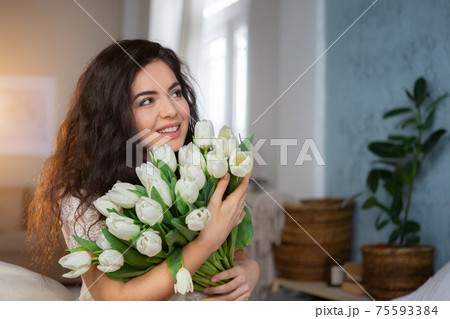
(213, 279)
(227, 176)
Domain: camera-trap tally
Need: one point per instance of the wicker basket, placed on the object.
(299, 256)
(389, 273)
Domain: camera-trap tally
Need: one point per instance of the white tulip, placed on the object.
(78, 262)
(163, 190)
(216, 163)
(226, 132)
(147, 172)
(184, 281)
(165, 154)
(203, 133)
(110, 260)
(149, 244)
(103, 203)
(121, 195)
(198, 219)
(188, 189)
(190, 154)
(102, 242)
(241, 163)
(225, 145)
(122, 227)
(195, 173)
(149, 211)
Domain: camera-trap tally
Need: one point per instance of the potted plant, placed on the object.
(402, 265)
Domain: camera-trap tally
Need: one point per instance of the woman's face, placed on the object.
(159, 106)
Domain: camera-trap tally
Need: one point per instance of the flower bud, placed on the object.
(166, 154)
(149, 211)
(110, 260)
(190, 154)
(149, 244)
(188, 189)
(198, 219)
(103, 203)
(241, 163)
(122, 227)
(184, 282)
(203, 133)
(195, 173)
(216, 163)
(121, 195)
(102, 242)
(78, 262)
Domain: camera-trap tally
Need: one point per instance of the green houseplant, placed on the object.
(390, 184)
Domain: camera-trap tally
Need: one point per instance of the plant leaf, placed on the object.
(394, 236)
(245, 230)
(420, 88)
(180, 224)
(130, 255)
(381, 225)
(369, 203)
(372, 180)
(89, 245)
(385, 149)
(396, 111)
(175, 262)
(432, 140)
(435, 102)
(411, 227)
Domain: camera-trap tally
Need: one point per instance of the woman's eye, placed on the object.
(177, 93)
(146, 101)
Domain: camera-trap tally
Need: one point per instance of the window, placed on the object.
(223, 73)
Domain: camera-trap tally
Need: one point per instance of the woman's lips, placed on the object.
(173, 134)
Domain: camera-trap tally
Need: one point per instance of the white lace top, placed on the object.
(88, 226)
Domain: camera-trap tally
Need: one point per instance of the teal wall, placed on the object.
(367, 71)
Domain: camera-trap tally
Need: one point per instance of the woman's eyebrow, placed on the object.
(174, 84)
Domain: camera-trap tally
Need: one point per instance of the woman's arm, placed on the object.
(156, 284)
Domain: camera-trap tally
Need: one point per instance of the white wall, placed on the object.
(56, 39)
(285, 38)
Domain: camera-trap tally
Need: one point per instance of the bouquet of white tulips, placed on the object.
(149, 223)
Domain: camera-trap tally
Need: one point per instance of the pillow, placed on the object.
(18, 283)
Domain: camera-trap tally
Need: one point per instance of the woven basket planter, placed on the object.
(299, 257)
(389, 273)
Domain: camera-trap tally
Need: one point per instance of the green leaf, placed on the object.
(432, 140)
(411, 227)
(89, 245)
(180, 224)
(245, 230)
(396, 111)
(428, 121)
(420, 88)
(155, 196)
(162, 233)
(175, 238)
(110, 276)
(385, 149)
(435, 102)
(181, 205)
(175, 262)
(246, 142)
(407, 122)
(78, 249)
(397, 203)
(380, 225)
(410, 95)
(369, 203)
(394, 236)
(127, 271)
(372, 180)
(130, 255)
(413, 239)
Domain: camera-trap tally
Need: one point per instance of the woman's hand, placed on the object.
(243, 275)
(225, 215)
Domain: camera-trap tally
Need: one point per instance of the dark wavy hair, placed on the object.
(90, 147)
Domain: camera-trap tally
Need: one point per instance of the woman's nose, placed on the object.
(168, 107)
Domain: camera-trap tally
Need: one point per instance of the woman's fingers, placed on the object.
(220, 189)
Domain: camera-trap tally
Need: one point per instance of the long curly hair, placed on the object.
(89, 155)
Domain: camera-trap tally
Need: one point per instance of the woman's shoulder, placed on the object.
(80, 220)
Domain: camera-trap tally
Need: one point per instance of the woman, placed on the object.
(114, 100)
